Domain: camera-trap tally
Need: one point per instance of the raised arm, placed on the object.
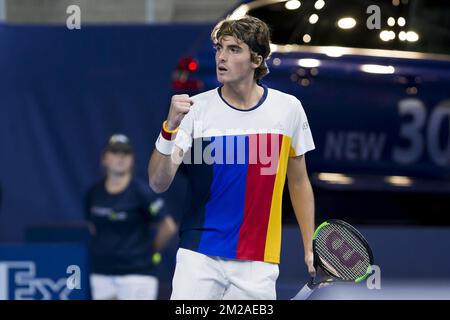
(163, 166)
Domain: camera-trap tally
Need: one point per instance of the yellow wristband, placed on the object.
(167, 130)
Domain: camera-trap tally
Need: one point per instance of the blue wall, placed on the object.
(62, 93)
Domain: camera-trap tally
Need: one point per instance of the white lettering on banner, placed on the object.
(26, 285)
(439, 156)
(410, 131)
(3, 282)
(417, 130)
(354, 145)
(417, 136)
(47, 287)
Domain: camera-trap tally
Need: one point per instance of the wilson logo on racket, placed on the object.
(342, 250)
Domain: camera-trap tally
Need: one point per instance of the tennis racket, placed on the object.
(340, 254)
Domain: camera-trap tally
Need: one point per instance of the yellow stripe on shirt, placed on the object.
(273, 237)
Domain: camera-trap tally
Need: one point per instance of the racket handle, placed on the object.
(305, 292)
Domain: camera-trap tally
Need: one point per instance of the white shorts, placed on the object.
(201, 277)
(127, 287)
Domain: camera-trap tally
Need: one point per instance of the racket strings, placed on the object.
(344, 254)
(342, 271)
(344, 251)
(339, 254)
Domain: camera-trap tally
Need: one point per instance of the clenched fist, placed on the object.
(180, 105)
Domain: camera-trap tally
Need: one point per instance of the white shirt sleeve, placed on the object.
(301, 140)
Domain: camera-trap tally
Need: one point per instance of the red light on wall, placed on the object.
(192, 66)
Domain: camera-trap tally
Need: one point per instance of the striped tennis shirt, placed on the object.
(236, 162)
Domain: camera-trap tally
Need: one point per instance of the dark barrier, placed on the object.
(62, 93)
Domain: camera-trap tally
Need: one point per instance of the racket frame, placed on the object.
(319, 264)
(311, 286)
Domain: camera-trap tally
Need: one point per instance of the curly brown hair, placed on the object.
(253, 32)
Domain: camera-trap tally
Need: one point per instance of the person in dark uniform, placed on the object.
(121, 210)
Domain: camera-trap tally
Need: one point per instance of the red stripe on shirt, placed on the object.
(258, 198)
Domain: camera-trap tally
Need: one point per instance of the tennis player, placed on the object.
(239, 142)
